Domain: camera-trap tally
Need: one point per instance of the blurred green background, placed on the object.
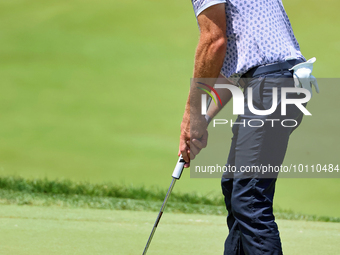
(95, 91)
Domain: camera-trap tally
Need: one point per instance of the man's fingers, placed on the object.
(194, 150)
(186, 155)
(184, 150)
(189, 149)
(201, 143)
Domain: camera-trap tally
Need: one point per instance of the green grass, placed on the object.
(67, 187)
(64, 193)
(54, 230)
(94, 91)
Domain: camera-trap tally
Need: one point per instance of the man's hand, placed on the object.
(193, 138)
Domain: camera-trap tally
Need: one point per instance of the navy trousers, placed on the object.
(249, 199)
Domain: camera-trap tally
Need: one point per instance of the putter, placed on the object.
(175, 176)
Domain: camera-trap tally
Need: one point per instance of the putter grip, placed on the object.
(178, 168)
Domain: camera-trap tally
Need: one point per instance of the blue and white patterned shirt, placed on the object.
(258, 31)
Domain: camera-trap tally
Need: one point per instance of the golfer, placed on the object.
(252, 44)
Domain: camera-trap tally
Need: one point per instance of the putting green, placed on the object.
(53, 230)
(95, 89)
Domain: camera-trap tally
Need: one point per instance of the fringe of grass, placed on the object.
(67, 187)
(42, 192)
(8, 197)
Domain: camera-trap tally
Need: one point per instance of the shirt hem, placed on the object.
(207, 5)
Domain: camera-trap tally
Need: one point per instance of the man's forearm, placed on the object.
(208, 63)
(209, 58)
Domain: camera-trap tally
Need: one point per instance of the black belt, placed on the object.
(271, 68)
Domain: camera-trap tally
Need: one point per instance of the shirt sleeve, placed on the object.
(201, 5)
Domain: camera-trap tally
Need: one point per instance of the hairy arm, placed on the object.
(209, 58)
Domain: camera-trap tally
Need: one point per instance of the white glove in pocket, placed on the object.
(303, 77)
